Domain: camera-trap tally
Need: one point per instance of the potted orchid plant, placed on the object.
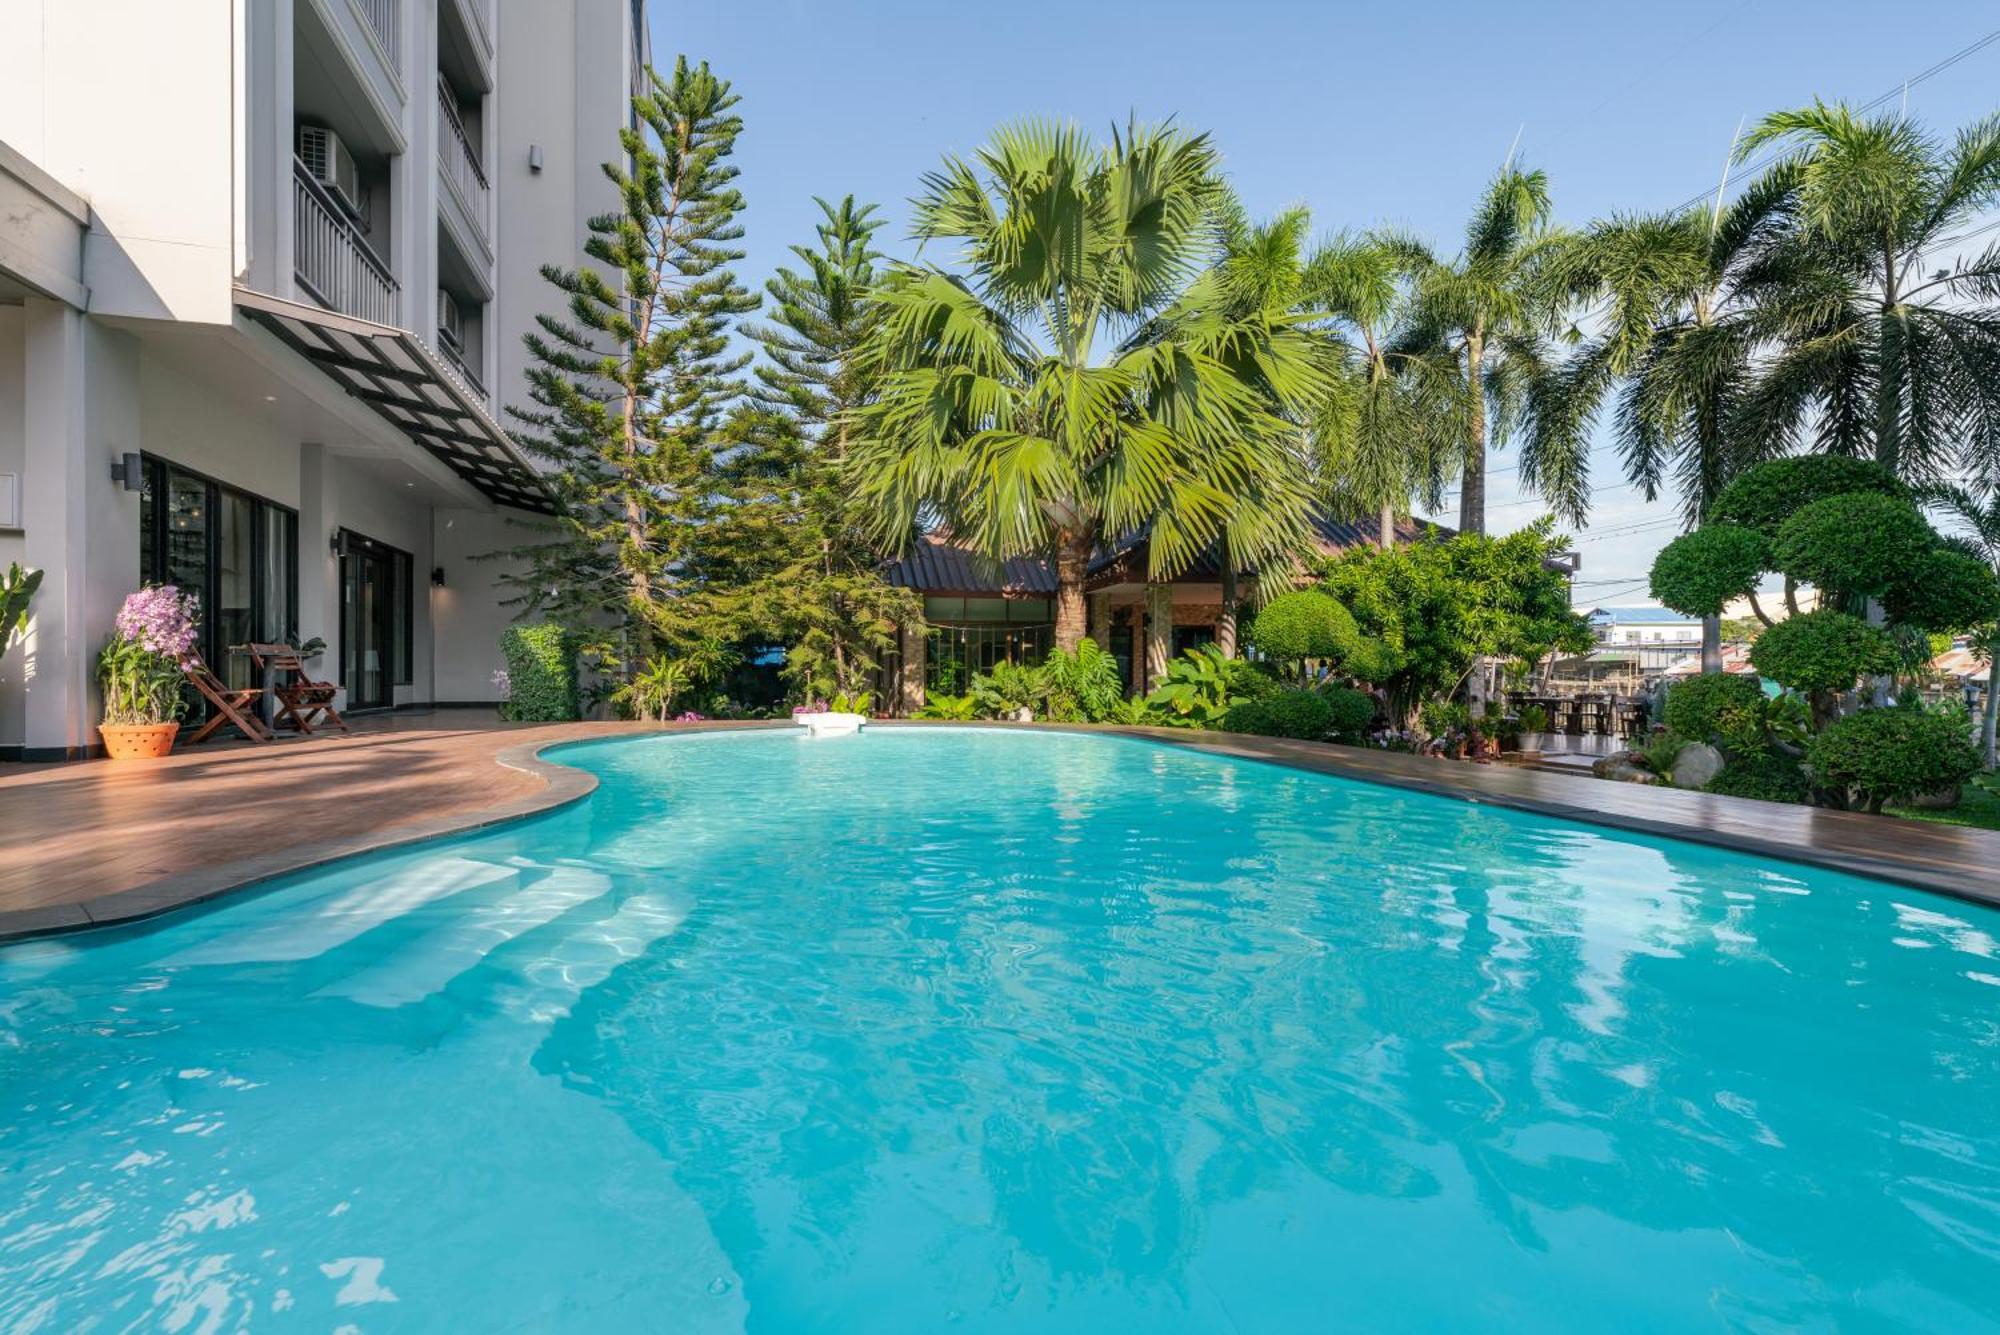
(141, 670)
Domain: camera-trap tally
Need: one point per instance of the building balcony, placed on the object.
(385, 23)
(458, 162)
(332, 260)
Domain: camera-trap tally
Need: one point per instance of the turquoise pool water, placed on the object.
(973, 1030)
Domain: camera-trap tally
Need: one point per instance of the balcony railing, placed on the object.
(332, 260)
(459, 158)
(384, 16)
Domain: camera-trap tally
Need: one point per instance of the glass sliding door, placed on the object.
(237, 553)
(375, 620)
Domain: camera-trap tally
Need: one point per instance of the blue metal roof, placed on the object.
(1642, 616)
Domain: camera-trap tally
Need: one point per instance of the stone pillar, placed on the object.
(910, 673)
(1100, 619)
(1137, 624)
(1159, 631)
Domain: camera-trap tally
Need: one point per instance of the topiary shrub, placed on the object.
(1766, 496)
(1349, 712)
(1728, 711)
(1698, 573)
(1293, 627)
(1885, 755)
(1821, 651)
(1305, 715)
(1252, 681)
(1767, 778)
(541, 674)
(1949, 591)
(1861, 543)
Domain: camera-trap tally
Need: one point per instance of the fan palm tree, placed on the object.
(1979, 522)
(1880, 358)
(1082, 378)
(1676, 348)
(1490, 309)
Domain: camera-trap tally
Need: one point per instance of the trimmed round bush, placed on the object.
(1821, 651)
(1350, 711)
(1305, 715)
(1886, 755)
(541, 673)
(1766, 496)
(1372, 660)
(1305, 624)
(1950, 591)
(1766, 778)
(1251, 681)
(1864, 543)
(1698, 573)
(1729, 711)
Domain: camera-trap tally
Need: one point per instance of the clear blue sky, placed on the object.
(1366, 113)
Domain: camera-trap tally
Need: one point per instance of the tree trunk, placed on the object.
(1387, 534)
(1989, 711)
(1072, 565)
(1711, 643)
(1472, 483)
(1225, 624)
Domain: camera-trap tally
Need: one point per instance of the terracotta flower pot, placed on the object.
(141, 741)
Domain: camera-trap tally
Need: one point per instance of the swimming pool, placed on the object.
(963, 1029)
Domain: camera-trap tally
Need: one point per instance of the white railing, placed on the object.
(384, 17)
(459, 158)
(332, 260)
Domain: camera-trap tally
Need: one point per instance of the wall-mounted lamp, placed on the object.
(437, 577)
(127, 469)
(336, 545)
(534, 157)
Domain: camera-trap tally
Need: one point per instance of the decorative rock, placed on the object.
(1697, 765)
(1623, 767)
(1942, 800)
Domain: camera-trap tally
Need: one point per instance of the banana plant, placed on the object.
(17, 590)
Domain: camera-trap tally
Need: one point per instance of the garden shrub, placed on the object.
(1305, 715)
(1349, 712)
(541, 673)
(1765, 496)
(1252, 681)
(1007, 689)
(1821, 651)
(1728, 711)
(1769, 778)
(1949, 591)
(1861, 543)
(1886, 755)
(1081, 687)
(1661, 751)
(1293, 627)
(1698, 573)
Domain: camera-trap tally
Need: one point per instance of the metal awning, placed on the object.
(412, 389)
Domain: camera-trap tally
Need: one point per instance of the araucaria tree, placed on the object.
(634, 381)
(1081, 376)
(819, 586)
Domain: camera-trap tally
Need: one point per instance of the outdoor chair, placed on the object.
(301, 701)
(233, 706)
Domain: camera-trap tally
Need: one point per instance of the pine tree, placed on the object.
(822, 591)
(635, 386)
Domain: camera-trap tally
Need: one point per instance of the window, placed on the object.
(237, 553)
(377, 620)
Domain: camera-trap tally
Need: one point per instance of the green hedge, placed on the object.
(541, 674)
(1729, 711)
(1767, 778)
(1351, 711)
(1302, 714)
(1888, 755)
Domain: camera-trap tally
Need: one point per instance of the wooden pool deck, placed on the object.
(91, 843)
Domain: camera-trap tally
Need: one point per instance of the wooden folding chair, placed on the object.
(302, 702)
(233, 706)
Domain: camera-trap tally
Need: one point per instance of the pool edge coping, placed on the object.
(564, 785)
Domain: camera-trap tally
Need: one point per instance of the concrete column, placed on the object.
(1159, 631)
(319, 568)
(56, 652)
(1100, 619)
(910, 675)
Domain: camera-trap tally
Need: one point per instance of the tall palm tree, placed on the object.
(1979, 521)
(1490, 308)
(1880, 358)
(1009, 409)
(1400, 431)
(1676, 347)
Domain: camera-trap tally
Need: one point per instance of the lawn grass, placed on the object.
(1977, 807)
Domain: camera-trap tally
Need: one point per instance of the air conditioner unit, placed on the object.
(327, 161)
(451, 327)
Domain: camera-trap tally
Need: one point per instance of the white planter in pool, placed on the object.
(830, 724)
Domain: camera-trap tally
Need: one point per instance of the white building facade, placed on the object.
(264, 270)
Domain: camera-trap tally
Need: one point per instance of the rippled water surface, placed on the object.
(970, 1030)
